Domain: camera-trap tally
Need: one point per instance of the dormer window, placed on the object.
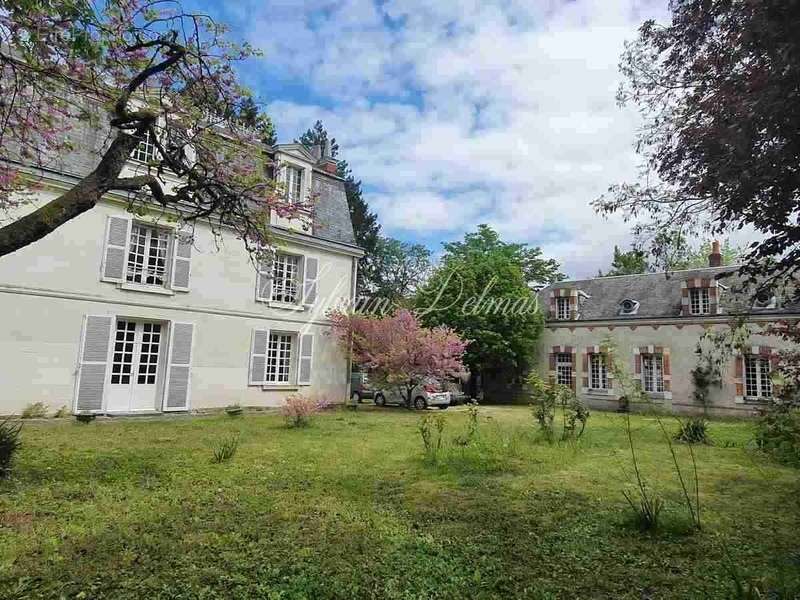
(294, 184)
(628, 307)
(764, 299)
(562, 308)
(699, 301)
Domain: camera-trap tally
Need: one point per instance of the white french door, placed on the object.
(135, 360)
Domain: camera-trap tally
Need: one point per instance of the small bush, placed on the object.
(646, 505)
(62, 412)
(35, 410)
(471, 433)
(778, 434)
(693, 431)
(9, 444)
(548, 396)
(426, 427)
(226, 449)
(299, 410)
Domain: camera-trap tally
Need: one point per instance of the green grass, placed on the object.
(349, 508)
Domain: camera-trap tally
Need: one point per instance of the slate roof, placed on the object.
(331, 212)
(658, 294)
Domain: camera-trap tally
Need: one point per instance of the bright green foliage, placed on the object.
(627, 263)
(482, 289)
(693, 430)
(778, 434)
(395, 270)
(226, 449)
(348, 508)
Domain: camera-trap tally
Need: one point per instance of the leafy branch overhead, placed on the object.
(133, 70)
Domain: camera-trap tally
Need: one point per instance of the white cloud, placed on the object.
(460, 112)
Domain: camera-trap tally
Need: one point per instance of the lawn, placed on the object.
(349, 508)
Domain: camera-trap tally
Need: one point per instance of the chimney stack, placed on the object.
(715, 258)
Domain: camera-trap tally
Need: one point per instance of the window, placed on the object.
(146, 150)
(653, 373)
(147, 257)
(562, 309)
(598, 376)
(294, 184)
(698, 301)
(564, 369)
(122, 364)
(279, 358)
(285, 274)
(628, 307)
(756, 377)
(148, 357)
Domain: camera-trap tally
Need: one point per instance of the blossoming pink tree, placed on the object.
(135, 70)
(397, 350)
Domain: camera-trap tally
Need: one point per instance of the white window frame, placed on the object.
(145, 152)
(564, 368)
(598, 361)
(147, 270)
(293, 176)
(653, 373)
(699, 301)
(563, 308)
(757, 371)
(280, 363)
(279, 285)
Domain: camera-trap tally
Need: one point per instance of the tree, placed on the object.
(395, 270)
(698, 257)
(627, 263)
(717, 88)
(136, 69)
(483, 289)
(366, 228)
(397, 351)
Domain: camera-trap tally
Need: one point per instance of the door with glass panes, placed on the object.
(136, 356)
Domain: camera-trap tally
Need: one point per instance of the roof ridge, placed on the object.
(736, 266)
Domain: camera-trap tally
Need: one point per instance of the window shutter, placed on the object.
(258, 357)
(264, 281)
(310, 273)
(179, 367)
(181, 262)
(115, 252)
(306, 359)
(92, 364)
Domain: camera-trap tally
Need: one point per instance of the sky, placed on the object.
(455, 113)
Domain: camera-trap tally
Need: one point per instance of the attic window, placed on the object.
(628, 307)
(764, 299)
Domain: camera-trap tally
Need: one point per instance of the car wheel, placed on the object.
(380, 400)
(419, 403)
(355, 397)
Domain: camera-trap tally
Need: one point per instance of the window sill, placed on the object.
(757, 400)
(284, 305)
(658, 396)
(150, 289)
(598, 391)
(288, 387)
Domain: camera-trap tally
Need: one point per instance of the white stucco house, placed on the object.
(653, 322)
(114, 313)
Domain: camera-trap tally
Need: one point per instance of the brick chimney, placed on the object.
(715, 258)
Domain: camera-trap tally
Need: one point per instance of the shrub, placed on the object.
(693, 431)
(471, 433)
(9, 444)
(547, 396)
(226, 449)
(576, 414)
(778, 434)
(298, 410)
(62, 412)
(426, 427)
(646, 505)
(35, 410)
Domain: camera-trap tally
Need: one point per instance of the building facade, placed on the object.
(652, 323)
(115, 313)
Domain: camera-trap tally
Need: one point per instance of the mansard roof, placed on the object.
(659, 294)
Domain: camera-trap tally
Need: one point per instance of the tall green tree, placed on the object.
(395, 270)
(627, 263)
(366, 228)
(484, 289)
(717, 87)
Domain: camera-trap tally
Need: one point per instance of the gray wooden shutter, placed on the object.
(115, 252)
(181, 262)
(179, 367)
(264, 280)
(258, 357)
(93, 363)
(306, 359)
(310, 273)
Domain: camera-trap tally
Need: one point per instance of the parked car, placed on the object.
(360, 388)
(425, 395)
